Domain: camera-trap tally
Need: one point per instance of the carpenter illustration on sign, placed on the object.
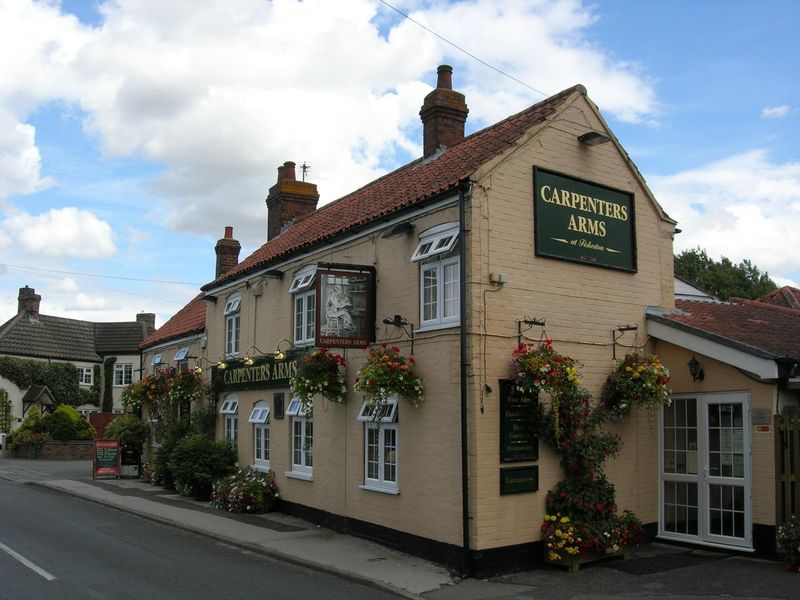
(345, 308)
(583, 222)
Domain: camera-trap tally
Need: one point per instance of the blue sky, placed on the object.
(133, 131)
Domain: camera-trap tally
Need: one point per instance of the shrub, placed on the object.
(247, 491)
(195, 462)
(65, 423)
(130, 430)
(788, 542)
(60, 378)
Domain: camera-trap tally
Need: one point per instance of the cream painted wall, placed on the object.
(581, 304)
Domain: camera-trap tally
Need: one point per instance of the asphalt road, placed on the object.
(55, 546)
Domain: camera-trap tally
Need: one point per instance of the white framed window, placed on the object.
(232, 324)
(85, 375)
(156, 360)
(259, 417)
(230, 410)
(379, 412)
(302, 447)
(435, 241)
(380, 457)
(182, 366)
(305, 305)
(181, 354)
(439, 293)
(123, 374)
(297, 409)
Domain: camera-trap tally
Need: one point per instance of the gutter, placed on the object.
(464, 192)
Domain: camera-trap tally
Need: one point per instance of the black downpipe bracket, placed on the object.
(464, 190)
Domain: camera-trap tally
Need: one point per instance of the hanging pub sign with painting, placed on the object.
(345, 306)
(583, 222)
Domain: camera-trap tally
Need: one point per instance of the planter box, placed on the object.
(573, 563)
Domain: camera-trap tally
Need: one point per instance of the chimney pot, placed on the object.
(228, 232)
(445, 77)
(288, 171)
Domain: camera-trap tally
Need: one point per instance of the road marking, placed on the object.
(36, 569)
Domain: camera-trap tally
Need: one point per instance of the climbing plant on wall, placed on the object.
(5, 411)
(581, 513)
(60, 377)
(108, 384)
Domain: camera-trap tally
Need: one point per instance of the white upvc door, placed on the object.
(705, 487)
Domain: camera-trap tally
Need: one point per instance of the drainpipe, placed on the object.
(465, 189)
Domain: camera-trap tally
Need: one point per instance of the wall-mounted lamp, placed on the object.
(222, 363)
(280, 354)
(695, 370)
(248, 356)
(199, 360)
(404, 324)
(593, 138)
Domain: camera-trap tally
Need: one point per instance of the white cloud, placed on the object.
(65, 232)
(775, 112)
(742, 207)
(222, 93)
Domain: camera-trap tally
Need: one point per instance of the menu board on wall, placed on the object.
(518, 439)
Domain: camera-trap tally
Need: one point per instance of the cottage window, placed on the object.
(85, 375)
(259, 417)
(230, 410)
(302, 423)
(232, 324)
(380, 446)
(305, 305)
(123, 374)
(438, 276)
(156, 360)
(181, 354)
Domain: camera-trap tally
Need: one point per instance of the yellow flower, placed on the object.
(565, 519)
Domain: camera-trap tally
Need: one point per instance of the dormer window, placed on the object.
(304, 294)
(181, 354)
(232, 324)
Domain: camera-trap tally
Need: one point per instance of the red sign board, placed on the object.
(106, 458)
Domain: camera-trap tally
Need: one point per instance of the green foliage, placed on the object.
(65, 423)
(204, 417)
(247, 491)
(386, 372)
(60, 378)
(108, 387)
(196, 462)
(723, 279)
(5, 411)
(130, 430)
(639, 381)
(319, 373)
(30, 434)
(788, 542)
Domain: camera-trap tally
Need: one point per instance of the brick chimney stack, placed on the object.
(289, 200)
(443, 114)
(148, 320)
(227, 250)
(28, 301)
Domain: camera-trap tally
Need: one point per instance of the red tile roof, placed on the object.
(191, 319)
(749, 325)
(786, 296)
(406, 187)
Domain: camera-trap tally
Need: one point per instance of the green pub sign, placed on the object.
(516, 480)
(518, 439)
(265, 372)
(583, 222)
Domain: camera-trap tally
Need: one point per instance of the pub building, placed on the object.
(539, 225)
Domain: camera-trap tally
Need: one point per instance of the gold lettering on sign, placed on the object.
(587, 204)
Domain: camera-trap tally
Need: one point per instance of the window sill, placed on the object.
(261, 467)
(374, 488)
(425, 328)
(299, 475)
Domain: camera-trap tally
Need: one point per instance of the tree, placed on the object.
(723, 279)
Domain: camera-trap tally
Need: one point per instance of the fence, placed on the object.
(787, 466)
(100, 421)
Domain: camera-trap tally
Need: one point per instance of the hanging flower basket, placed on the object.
(385, 373)
(639, 381)
(320, 372)
(540, 367)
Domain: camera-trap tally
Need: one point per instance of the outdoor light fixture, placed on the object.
(695, 370)
(248, 356)
(593, 138)
(404, 324)
(280, 354)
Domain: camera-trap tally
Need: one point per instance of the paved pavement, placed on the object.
(656, 570)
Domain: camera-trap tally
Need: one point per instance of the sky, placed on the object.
(133, 131)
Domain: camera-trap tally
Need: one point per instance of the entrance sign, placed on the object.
(106, 458)
(518, 440)
(583, 222)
